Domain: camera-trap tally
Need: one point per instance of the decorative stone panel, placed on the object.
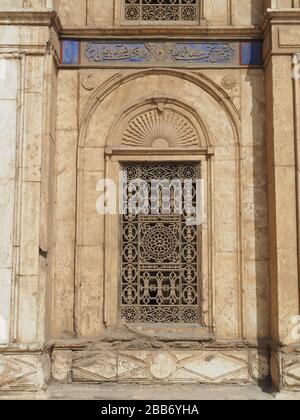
(290, 365)
(23, 372)
(61, 365)
(182, 366)
(94, 366)
(169, 365)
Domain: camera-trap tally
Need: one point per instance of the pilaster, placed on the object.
(281, 42)
(29, 48)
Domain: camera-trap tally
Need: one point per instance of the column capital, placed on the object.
(281, 32)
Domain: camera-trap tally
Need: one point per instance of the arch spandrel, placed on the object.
(198, 92)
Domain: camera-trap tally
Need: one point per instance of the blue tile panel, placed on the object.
(179, 54)
(251, 53)
(70, 52)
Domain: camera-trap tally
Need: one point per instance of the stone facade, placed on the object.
(74, 85)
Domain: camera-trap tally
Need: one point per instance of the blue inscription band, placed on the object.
(163, 54)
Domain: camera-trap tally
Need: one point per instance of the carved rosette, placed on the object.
(61, 365)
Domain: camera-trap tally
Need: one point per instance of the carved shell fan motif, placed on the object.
(160, 129)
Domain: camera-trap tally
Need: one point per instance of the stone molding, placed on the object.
(280, 32)
(30, 18)
(169, 32)
(39, 32)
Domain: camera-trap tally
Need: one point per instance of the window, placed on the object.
(160, 267)
(161, 10)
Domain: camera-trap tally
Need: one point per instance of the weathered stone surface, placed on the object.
(161, 366)
(61, 365)
(65, 127)
(19, 372)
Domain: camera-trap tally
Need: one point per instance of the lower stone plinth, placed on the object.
(34, 371)
(167, 366)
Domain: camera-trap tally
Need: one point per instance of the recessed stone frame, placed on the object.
(197, 150)
(160, 12)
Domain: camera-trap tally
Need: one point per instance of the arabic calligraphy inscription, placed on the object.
(209, 53)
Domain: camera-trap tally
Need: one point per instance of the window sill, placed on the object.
(167, 332)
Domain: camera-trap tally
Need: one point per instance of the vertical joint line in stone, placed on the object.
(296, 111)
(201, 10)
(229, 12)
(86, 12)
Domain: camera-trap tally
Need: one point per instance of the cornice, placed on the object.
(280, 17)
(30, 18)
(164, 33)
(286, 14)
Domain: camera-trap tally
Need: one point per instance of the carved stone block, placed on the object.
(61, 366)
(182, 366)
(19, 372)
(291, 371)
(148, 366)
(94, 367)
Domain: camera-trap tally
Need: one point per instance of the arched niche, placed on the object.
(107, 138)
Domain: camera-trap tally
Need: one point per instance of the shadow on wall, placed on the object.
(257, 11)
(257, 264)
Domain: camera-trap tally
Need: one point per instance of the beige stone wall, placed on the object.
(9, 75)
(93, 14)
(59, 257)
(240, 202)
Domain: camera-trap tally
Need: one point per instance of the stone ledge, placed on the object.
(109, 392)
(30, 18)
(198, 32)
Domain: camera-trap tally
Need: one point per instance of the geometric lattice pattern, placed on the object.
(161, 10)
(160, 264)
